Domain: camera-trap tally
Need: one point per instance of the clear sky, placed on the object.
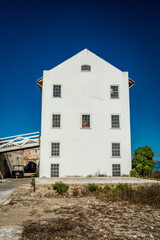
(38, 35)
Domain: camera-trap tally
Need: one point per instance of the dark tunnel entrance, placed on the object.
(31, 167)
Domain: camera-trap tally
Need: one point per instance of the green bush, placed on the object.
(123, 187)
(147, 171)
(60, 187)
(106, 189)
(143, 162)
(133, 173)
(139, 169)
(92, 187)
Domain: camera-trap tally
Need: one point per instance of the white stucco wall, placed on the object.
(85, 151)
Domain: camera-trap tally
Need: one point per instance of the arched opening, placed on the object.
(31, 167)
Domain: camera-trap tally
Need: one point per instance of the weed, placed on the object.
(106, 189)
(75, 192)
(60, 187)
(84, 190)
(92, 187)
(33, 212)
(33, 183)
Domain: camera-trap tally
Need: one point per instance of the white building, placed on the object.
(85, 126)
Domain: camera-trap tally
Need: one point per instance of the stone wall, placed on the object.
(22, 157)
(4, 169)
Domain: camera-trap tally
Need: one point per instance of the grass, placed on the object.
(124, 192)
(33, 212)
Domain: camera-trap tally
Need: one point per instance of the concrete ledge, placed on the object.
(102, 180)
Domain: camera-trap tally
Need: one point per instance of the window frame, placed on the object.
(54, 170)
(52, 121)
(115, 85)
(116, 170)
(55, 156)
(119, 149)
(53, 90)
(115, 114)
(81, 120)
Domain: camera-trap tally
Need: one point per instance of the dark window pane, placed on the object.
(115, 121)
(85, 121)
(115, 149)
(116, 170)
(86, 68)
(56, 90)
(55, 149)
(56, 120)
(54, 170)
(114, 92)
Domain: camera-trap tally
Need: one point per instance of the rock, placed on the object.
(43, 222)
(7, 202)
(151, 236)
(5, 181)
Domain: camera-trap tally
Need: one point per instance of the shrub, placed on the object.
(106, 189)
(156, 174)
(123, 187)
(147, 195)
(60, 187)
(133, 173)
(92, 187)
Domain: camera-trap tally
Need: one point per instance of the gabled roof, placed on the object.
(40, 80)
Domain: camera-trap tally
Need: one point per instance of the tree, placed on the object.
(142, 161)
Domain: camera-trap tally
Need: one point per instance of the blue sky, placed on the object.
(38, 35)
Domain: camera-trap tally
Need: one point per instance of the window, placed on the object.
(114, 92)
(85, 121)
(85, 68)
(115, 121)
(115, 149)
(56, 120)
(55, 149)
(54, 170)
(116, 170)
(56, 90)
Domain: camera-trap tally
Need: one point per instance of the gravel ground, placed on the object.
(102, 180)
(10, 233)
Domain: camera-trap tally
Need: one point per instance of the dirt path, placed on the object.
(7, 188)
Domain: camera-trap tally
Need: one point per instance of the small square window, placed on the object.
(54, 170)
(115, 121)
(55, 149)
(85, 121)
(115, 149)
(114, 92)
(116, 170)
(57, 91)
(85, 68)
(56, 120)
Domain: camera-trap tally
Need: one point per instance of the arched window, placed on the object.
(85, 68)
